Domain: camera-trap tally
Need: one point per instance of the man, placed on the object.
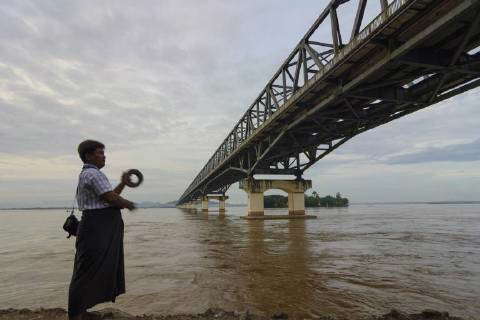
(98, 271)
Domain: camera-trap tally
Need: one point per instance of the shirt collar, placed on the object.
(88, 166)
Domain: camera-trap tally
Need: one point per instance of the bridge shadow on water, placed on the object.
(276, 271)
(266, 267)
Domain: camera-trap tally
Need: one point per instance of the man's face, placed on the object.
(97, 158)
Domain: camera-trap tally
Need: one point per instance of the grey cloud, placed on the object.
(33, 130)
(458, 153)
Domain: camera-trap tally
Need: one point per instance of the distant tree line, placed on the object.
(328, 201)
(275, 201)
(314, 200)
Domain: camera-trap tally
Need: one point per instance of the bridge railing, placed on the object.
(311, 59)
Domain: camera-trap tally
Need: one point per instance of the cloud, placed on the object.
(465, 152)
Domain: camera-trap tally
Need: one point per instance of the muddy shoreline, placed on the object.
(217, 314)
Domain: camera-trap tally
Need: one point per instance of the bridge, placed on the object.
(413, 54)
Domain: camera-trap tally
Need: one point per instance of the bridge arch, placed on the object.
(294, 188)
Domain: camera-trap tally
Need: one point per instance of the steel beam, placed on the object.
(315, 96)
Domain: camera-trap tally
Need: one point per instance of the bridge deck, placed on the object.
(415, 54)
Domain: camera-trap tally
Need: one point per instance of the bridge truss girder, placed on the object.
(327, 92)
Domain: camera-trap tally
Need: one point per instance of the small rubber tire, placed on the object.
(134, 172)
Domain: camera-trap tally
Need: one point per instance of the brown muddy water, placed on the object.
(355, 262)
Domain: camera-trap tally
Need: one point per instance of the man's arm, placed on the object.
(115, 200)
(123, 182)
(119, 188)
(103, 189)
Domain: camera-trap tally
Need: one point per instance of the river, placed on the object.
(349, 262)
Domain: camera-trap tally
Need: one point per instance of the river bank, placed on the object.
(217, 314)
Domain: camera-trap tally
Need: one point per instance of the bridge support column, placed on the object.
(221, 205)
(296, 196)
(254, 190)
(221, 199)
(205, 204)
(255, 203)
(296, 203)
(221, 212)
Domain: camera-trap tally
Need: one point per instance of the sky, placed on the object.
(161, 83)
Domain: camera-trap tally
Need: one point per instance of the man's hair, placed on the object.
(88, 146)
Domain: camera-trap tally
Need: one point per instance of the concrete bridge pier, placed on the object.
(205, 204)
(220, 198)
(192, 205)
(221, 204)
(255, 205)
(296, 203)
(296, 197)
(197, 203)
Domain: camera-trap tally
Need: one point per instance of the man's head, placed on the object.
(91, 151)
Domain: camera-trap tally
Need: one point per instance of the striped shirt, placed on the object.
(91, 184)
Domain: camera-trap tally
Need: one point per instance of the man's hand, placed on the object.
(115, 200)
(130, 205)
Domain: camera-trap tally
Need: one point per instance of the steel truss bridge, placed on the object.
(413, 54)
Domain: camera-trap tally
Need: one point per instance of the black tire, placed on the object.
(137, 173)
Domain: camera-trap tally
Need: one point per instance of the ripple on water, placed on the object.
(352, 262)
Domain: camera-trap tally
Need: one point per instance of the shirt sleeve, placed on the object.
(100, 183)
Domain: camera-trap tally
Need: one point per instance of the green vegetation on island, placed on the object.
(314, 200)
(275, 201)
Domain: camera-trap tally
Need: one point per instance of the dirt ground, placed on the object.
(216, 314)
